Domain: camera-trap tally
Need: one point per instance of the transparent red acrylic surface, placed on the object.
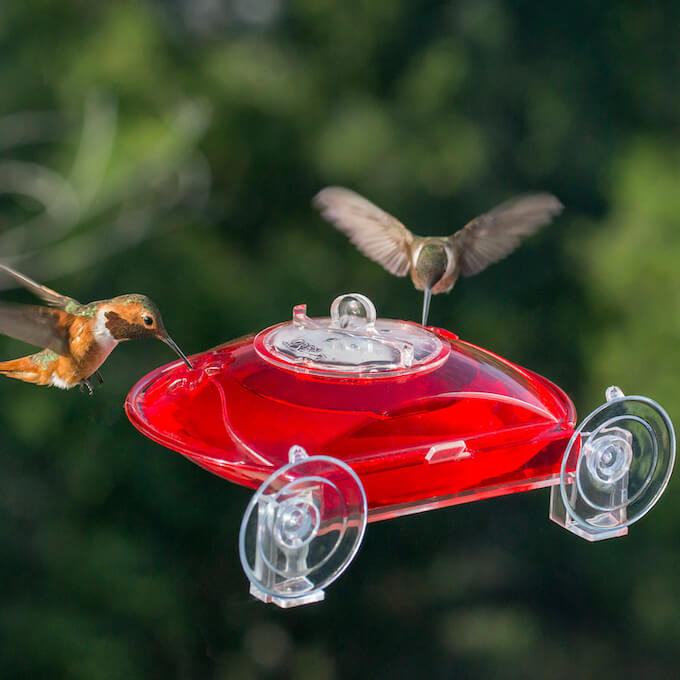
(474, 426)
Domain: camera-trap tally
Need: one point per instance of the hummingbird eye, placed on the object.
(148, 320)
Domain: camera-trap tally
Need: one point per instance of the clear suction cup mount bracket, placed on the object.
(351, 343)
(302, 529)
(615, 467)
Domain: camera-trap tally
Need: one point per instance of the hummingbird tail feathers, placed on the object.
(22, 369)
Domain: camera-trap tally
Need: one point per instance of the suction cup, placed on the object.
(615, 468)
(301, 529)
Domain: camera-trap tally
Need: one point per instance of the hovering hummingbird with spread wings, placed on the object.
(76, 338)
(435, 262)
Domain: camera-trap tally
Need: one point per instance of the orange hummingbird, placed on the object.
(76, 338)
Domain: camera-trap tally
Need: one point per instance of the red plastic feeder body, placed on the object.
(425, 419)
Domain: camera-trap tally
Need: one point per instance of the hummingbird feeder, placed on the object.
(348, 419)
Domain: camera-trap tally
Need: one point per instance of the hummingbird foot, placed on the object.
(85, 384)
(98, 375)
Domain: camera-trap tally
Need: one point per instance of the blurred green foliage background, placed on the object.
(172, 148)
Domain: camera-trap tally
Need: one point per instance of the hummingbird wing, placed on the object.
(51, 297)
(374, 232)
(39, 326)
(490, 237)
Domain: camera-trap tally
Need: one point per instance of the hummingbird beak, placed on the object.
(426, 305)
(171, 343)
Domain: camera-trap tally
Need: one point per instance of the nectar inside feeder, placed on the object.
(348, 419)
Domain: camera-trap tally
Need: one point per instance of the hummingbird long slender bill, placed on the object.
(435, 262)
(76, 338)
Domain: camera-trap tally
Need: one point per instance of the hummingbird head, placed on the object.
(131, 317)
(431, 264)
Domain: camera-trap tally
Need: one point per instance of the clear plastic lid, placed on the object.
(351, 342)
